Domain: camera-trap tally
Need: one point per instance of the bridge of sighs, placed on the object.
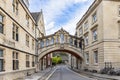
(59, 41)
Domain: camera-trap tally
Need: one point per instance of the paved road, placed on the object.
(63, 73)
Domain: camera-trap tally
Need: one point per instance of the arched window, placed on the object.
(41, 44)
(47, 42)
(71, 41)
(75, 43)
(61, 38)
(52, 40)
(57, 37)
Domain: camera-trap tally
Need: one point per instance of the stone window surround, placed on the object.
(27, 60)
(94, 58)
(2, 23)
(15, 60)
(2, 59)
(94, 35)
(33, 61)
(86, 25)
(15, 6)
(27, 40)
(33, 44)
(15, 32)
(94, 17)
(86, 37)
(80, 31)
(87, 57)
(27, 20)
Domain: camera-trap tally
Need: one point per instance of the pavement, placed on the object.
(98, 75)
(39, 75)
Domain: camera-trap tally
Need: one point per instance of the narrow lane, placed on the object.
(63, 73)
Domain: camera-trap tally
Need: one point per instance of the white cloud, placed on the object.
(54, 8)
(71, 25)
(78, 1)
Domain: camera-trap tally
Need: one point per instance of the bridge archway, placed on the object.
(60, 41)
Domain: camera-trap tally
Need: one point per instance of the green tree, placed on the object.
(56, 60)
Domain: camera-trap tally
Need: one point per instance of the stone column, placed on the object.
(47, 61)
(71, 61)
(41, 63)
(65, 39)
(73, 41)
(77, 63)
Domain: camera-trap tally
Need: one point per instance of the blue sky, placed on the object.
(60, 13)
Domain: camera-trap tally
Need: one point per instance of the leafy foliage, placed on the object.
(56, 60)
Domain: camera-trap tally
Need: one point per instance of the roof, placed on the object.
(36, 15)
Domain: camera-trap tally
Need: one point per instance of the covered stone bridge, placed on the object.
(59, 41)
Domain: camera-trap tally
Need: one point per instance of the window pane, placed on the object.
(1, 28)
(17, 64)
(1, 18)
(86, 40)
(52, 40)
(16, 55)
(1, 64)
(87, 57)
(96, 56)
(1, 53)
(16, 29)
(94, 17)
(13, 64)
(61, 38)
(95, 35)
(17, 37)
(86, 25)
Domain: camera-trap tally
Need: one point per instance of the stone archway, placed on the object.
(60, 41)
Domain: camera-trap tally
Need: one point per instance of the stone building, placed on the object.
(100, 30)
(19, 30)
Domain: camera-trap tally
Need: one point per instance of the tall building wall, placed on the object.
(101, 36)
(17, 40)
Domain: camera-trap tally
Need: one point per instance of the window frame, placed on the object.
(33, 44)
(2, 24)
(86, 39)
(94, 18)
(27, 40)
(27, 20)
(42, 44)
(61, 38)
(33, 27)
(87, 57)
(15, 56)
(2, 60)
(15, 5)
(15, 32)
(96, 61)
(86, 25)
(27, 60)
(81, 31)
(94, 34)
(33, 61)
(52, 40)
